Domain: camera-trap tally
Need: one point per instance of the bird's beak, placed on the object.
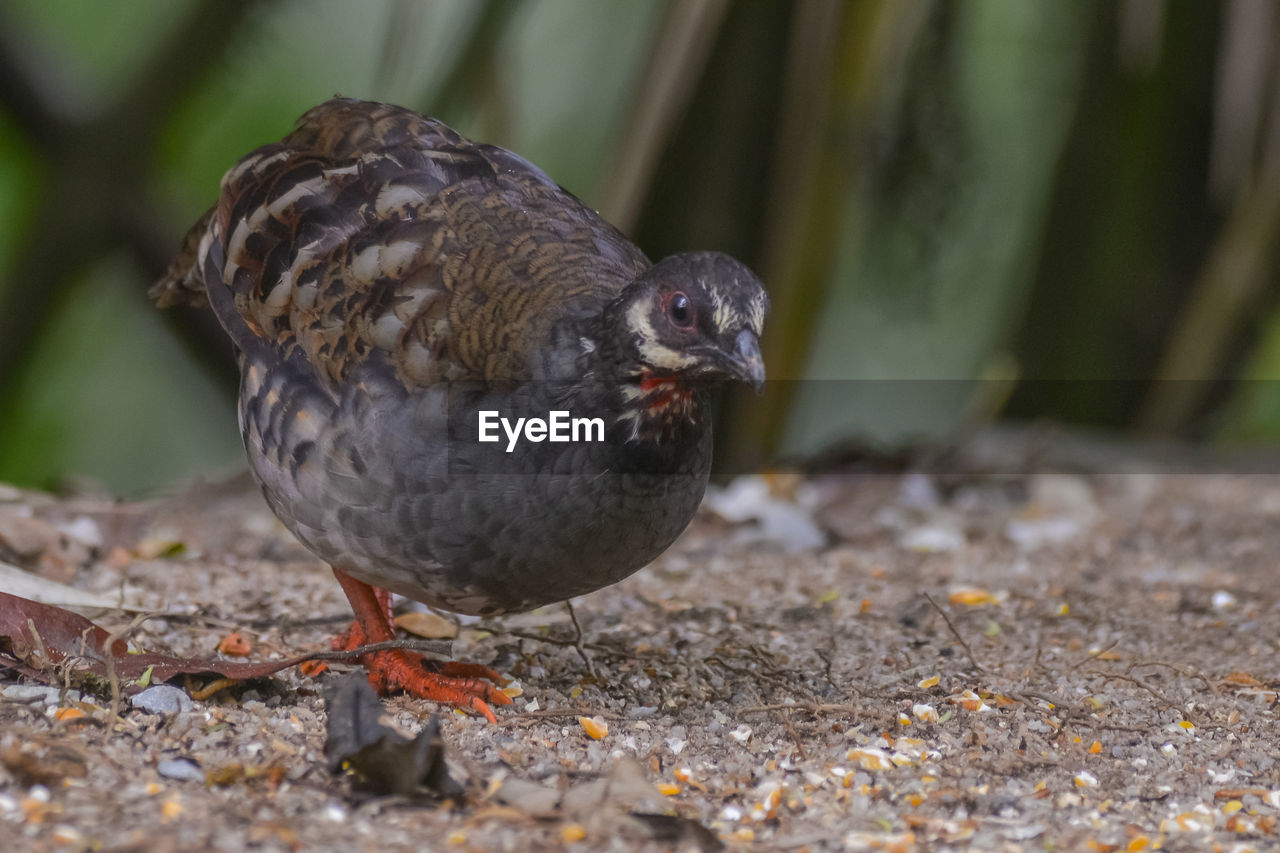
(746, 363)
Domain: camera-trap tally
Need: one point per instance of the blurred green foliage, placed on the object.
(963, 209)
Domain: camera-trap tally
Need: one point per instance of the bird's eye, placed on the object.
(680, 311)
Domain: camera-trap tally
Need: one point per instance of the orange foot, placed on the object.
(466, 685)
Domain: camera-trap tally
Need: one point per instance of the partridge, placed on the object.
(400, 298)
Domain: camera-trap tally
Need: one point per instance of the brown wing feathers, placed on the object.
(373, 229)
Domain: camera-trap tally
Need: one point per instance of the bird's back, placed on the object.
(372, 232)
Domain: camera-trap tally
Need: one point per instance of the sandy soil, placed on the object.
(989, 663)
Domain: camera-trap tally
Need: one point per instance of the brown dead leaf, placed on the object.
(379, 760)
(1241, 679)
(427, 625)
(42, 641)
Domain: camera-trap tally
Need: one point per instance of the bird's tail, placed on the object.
(201, 257)
(184, 280)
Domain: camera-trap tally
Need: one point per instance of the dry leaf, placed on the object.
(65, 637)
(379, 759)
(429, 625)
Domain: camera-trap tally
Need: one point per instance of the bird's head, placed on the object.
(691, 318)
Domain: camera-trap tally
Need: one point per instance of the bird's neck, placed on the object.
(651, 418)
(658, 424)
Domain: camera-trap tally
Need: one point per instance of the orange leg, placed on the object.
(466, 685)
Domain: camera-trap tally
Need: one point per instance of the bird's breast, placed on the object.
(469, 497)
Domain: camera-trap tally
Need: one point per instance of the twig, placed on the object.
(1094, 655)
(808, 707)
(41, 650)
(1188, 673)
(955, 633)
(109, 655)
(556, 641)
(1117, 676)
(435, 647)
(790, 729)
(578, 642)
(909, 672)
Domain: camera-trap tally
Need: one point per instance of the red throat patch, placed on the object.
(669, 390)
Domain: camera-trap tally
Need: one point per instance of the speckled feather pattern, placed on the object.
(383, 279)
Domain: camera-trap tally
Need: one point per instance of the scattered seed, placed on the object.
(870, 758)
(171, 810)
(595, 727)
(235, 645)
(924, 712)
(971, 597)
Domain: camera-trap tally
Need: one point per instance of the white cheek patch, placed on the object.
(657, 355)
(654, 353)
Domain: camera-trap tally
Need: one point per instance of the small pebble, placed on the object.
(84, 529)
(1037, 532)
(181, 769)
(932, 539)
(1223, 600)
(918, 491)
(163, 699)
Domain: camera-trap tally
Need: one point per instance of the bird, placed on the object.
(398, 295)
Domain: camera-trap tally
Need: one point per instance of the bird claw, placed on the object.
(464, 685)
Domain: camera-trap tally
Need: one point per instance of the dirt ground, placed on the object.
(1076, 661)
